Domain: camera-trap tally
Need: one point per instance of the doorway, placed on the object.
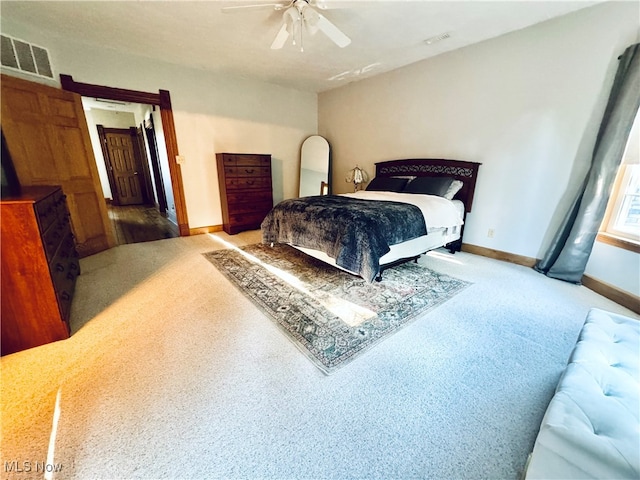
(163, 100)
(136, 200)
(133, 211)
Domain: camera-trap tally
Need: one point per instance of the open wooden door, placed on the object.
(46, 133)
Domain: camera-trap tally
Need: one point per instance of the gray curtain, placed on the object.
(569, 252)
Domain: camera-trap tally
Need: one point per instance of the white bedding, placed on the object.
(444, 219)
(437, 211)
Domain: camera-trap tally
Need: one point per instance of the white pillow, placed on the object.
(454, 188)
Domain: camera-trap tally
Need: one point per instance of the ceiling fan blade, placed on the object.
(257, 6)
(281, 38)
(333, 32)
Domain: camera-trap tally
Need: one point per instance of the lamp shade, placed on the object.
(356, 176)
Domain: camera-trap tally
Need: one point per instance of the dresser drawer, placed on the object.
(51, 240)
(255, 196)
(54, 236)
(247, 183)
(247, 221)
(246, 160)
(254, 161)
(62, 210)
(46, 210)
(65, 283)
(68, 247)
(247, 171)
(248, 207)
(64, 272)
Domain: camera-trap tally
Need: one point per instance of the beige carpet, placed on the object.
(171, 372)
(134, 304)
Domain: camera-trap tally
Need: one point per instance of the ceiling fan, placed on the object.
(300, 15)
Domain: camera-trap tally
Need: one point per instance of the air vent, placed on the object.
(25, 57)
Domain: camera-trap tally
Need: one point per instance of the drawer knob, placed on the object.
(60, 267)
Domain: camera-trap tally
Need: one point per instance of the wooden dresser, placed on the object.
(245, 190)
(39, 268)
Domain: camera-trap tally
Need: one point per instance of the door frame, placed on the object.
(137, 137)
(150, 133)
(163, 100)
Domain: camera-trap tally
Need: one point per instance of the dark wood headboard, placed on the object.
(467, 172)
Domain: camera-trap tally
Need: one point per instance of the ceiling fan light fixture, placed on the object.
(310, 18)
(291, 17)
(301, 15)
(290, 28)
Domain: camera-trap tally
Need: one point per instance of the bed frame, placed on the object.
(466, 172)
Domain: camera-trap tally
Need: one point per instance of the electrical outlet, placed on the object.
(490, 233)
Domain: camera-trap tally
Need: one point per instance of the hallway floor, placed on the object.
(140, 223)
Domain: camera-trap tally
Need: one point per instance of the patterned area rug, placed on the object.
(331, 315)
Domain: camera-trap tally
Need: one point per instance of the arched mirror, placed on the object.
(315, 167)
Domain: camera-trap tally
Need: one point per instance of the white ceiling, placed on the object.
(386, 34)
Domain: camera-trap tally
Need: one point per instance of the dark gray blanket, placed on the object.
(354, 232)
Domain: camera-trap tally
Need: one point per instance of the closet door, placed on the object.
(48, 140)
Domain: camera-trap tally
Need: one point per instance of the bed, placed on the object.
(411, 206)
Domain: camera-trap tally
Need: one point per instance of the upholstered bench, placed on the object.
(591, 428)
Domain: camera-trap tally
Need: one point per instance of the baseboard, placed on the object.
(203, 230)
(611, 292)
(499, 255)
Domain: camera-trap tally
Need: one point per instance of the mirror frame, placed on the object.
(317, 153)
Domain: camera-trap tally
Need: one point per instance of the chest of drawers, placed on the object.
(39, 268)
(246, 193)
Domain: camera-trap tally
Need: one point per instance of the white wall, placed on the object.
(615, 266)
(212, 113)
(526, 105)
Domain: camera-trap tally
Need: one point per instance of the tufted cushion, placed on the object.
(591, 428)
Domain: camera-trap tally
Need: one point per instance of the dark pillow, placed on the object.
(429, 185)
(387, 184)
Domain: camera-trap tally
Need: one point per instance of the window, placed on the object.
(625, 212)
(621, 225)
